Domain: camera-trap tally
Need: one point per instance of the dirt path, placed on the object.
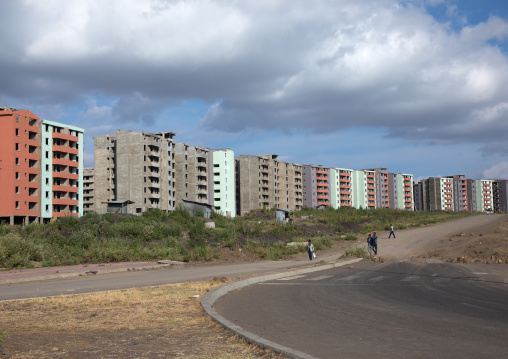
(476, 238)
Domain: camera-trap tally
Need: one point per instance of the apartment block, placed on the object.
(341, 188)
(265, 182)
(316, 186)
(19, 166)
(41, 168)
(372, 192)
(418, 195)
(486, 196)
(500, 195)
(382, 196)
(62, 170)
(460, 193)
(151, 170)
(224, 182)
(400, 191)
(88, 189)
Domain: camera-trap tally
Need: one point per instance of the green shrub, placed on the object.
(357, 252)
(16, 251)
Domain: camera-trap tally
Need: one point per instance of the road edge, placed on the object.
(212, 296)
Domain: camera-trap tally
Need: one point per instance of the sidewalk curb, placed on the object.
(211, 297)
(78, 274)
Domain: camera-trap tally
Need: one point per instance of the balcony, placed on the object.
(344, 186)
(56, 148)
(66, 175)
(56, 188)
(65, 201)
(344, 174)
(322, 172)
(322, 179)
(65, 136)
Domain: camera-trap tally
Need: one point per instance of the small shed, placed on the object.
(117, 206)
(194, 207)
(283, 216)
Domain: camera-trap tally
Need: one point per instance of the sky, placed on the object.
(414, 86)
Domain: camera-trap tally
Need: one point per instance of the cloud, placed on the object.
(497, 171)
(289, 65)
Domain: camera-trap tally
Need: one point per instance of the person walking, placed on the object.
(369, 244)
(373, 241)
(310, 250)
(391, 232)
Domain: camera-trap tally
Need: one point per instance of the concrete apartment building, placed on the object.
(265, 182)
(19, 166)
(40, 168)
(500, 195)
(460, 193)
(61, 170)
(382, 195)
(349, 188)
(88, 189)
(151, 170)
(224, 194)
(316, 186)
(400, 191)
(454, 193)
(341, 188)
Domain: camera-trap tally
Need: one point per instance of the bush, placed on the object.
(16, 251)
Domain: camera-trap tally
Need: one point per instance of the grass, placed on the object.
(180, 236)
(356, 252)
(162, 321)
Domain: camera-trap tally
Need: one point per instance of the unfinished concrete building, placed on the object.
(500, 195)
(265, 182)
(88, 189)
(151, 170)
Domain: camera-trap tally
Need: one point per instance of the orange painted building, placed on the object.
(41, 168)
(19, 166)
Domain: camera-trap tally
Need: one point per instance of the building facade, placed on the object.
(316, 186)
(88, 189)
(61, 170)
(41, 166)
(265, 182)
(153, 171)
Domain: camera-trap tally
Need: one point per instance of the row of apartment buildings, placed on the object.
(42, 176)
(457, 193)
(40, 164)
(151, 170)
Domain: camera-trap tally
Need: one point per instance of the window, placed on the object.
(16, 190)
(17, 176)
(17, 161)
(17, 132)
(17, 146)
(17, 204)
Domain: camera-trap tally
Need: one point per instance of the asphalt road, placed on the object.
(394, 310)
(144, 278)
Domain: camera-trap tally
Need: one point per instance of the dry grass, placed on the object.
(159, 322)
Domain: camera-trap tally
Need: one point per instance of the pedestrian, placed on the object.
(391, 232)
(374, 242)
(310, 250)
(369, 244)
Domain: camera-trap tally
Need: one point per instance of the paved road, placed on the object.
(395, 310)
(143, 278)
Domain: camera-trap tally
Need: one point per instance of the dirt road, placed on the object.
(477, 239)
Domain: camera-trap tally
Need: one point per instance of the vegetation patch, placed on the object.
(179, 236)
